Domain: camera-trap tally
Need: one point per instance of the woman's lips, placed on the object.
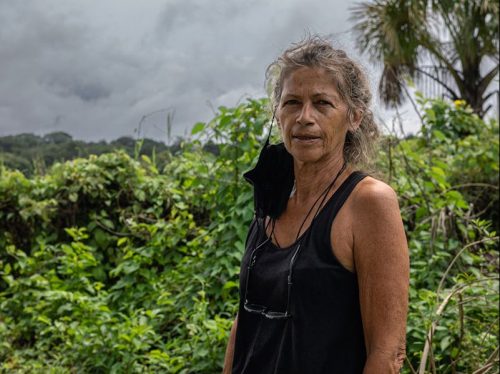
(305, 138)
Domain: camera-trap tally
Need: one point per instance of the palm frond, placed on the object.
(454, 36)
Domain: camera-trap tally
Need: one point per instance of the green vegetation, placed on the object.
(33, 154)
(110, 264)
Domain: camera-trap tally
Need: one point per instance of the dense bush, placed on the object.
(447, 181)
(108, 264)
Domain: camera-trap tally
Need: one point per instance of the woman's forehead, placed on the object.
(312, 79)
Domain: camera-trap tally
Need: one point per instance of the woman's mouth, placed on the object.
(305, 138)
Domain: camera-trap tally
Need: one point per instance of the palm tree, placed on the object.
(453, 43)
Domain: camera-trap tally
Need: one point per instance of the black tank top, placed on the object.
(325, 333)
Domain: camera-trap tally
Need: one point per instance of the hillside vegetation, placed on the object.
(34, 154)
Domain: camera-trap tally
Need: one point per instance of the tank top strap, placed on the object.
(333, 206)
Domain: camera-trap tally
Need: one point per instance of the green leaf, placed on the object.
(198, 127)
(44, 319)
(439, 135)
(431, 115)
(445, 342)
(121, 241)
(229, 285)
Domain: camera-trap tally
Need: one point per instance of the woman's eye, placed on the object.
(324, 102)
(291, 102)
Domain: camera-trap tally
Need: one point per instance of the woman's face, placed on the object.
(312, 117)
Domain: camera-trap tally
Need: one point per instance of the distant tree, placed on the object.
(149, 145)
(126, 142)
(26, 141)
(57, 137)
(452, 43)
(34, 154)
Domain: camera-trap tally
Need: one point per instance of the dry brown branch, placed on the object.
(492, 360)
(445, 274)
(428, 342)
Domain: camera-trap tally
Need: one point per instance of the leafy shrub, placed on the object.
(108, 264)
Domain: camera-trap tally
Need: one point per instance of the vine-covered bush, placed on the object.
(447, 181)
(109, 265)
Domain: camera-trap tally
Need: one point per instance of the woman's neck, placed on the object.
(312, 178)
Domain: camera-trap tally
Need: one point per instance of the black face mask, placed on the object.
(272, 179)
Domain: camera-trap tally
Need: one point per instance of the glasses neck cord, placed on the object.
(321, 197)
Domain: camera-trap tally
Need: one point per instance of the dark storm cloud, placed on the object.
(225, 47)
(85, 91)
(55, 63)
(95, 68)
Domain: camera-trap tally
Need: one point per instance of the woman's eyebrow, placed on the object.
(291, 95)
(324, 94)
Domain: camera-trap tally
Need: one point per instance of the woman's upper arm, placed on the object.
(382, 267)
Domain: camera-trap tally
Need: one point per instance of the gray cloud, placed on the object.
(94, 68)
(84, 90)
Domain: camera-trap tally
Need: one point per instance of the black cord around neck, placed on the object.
(323, 195)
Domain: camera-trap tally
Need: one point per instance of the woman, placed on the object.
(324, 279)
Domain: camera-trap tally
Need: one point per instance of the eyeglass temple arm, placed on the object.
(292, 261)
(251, 264)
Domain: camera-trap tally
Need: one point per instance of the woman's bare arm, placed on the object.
(382, 266)
(228, 359)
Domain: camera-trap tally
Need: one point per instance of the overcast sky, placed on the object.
(93, 68)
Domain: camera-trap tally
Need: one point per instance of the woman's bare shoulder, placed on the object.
(374, 209)
(374, 194)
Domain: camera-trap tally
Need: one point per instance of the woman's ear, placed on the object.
(355, 120)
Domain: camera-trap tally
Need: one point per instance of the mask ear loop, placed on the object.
(270, 130)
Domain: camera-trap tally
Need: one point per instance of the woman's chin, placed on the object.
(306, 155)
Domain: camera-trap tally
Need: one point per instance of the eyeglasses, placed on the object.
(261, 309)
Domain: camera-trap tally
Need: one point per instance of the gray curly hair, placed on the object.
(351, 84)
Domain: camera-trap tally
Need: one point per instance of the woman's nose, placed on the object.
(305, 116)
